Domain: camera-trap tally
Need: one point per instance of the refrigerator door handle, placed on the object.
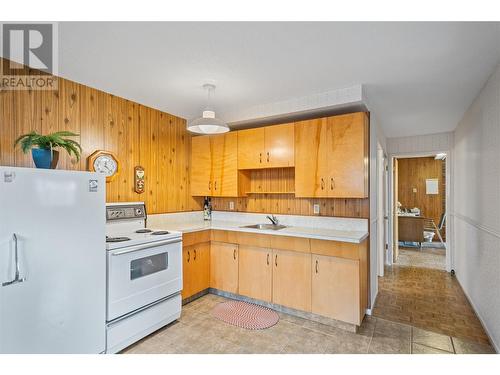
(17, 276)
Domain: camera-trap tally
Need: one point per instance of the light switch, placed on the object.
(414, 190)
(231, 205)
(316, 209)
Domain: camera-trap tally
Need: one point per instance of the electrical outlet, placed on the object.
(231, 205)
(316, 209)
(414, 190)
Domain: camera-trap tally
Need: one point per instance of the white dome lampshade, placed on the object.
(208, 123)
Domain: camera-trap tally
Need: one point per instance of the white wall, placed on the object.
(476, 213)
(420, 144)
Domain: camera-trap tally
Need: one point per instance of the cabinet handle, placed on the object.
(209, 185)
(194, 258)
(234, 254)
(215, 185)
(268, 259)
(316, 266)
(322, 184)
(260, 157)
(189, 256)
(276, 260)
(268, 156)
(332, 183)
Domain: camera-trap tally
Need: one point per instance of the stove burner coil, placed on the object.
(145, 230)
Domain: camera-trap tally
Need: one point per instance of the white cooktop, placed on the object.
(139, 238)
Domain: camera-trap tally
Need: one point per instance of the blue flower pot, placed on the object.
(44, 158)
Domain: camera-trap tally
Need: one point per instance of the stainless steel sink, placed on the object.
(265, 226)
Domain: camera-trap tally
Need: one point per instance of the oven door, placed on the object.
(143, 274)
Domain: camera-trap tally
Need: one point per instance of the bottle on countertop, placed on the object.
(207, 209)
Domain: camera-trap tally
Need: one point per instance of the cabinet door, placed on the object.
(224, 266)
(187, 272)
(251, 146)
(311, 165)
(335, 288)
(255, 272)
(201, 166)
(292, 279)
(279, 146)
(201, 267)
(225, 165)
(348, 156)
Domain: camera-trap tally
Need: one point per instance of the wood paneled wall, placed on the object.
(282, 180)
(137, 134)
(412, 173)
(140, 135)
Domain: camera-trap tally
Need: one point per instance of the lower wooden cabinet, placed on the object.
(292, 279)
(327, 278)
(196, 268)
(224, 266)
(255, 272)
(336, 288)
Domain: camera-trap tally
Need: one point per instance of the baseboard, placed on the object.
(370, 310)
(493, 344)
(287, 310)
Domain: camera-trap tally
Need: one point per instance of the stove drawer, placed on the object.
(130, 329)
(143, 274)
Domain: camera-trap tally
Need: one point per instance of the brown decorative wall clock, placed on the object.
(104, 162)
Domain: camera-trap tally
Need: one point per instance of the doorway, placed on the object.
(419, 211)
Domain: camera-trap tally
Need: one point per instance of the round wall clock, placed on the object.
(104, 162)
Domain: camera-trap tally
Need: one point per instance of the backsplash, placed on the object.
(287, 204)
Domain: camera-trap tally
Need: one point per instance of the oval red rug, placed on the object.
(245, 315)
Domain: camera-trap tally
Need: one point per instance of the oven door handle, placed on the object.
(132, 249)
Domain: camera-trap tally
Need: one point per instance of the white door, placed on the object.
(58, 219)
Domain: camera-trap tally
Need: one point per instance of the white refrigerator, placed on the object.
(52, 261)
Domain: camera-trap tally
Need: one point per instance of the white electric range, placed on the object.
(144, 277)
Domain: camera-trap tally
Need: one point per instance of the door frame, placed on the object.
(448, 203)
(382, 211)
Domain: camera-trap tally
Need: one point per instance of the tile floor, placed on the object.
(198, 332)
(429, 299)
(424, 257)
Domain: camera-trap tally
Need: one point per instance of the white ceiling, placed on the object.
(419, 78)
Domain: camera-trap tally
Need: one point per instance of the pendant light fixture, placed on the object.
(208, 123)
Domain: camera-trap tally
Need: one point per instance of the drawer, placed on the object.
(338, 249)
(291, 243)
(192, 238)
(131, 329)
(241, 238)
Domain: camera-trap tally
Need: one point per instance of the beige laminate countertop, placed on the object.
(305, 232)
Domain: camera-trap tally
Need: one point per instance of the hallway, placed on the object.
(425, 257)
(429, 299)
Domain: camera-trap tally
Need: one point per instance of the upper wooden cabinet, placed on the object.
(331, 157)
(266, 147)
(201, 166)
(214, 166)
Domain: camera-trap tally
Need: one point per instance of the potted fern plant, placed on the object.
(42, 147)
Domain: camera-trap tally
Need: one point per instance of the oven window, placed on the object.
(148, 265)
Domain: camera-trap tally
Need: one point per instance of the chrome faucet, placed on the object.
(273, 219)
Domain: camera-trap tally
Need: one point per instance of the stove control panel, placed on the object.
(125, 212)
